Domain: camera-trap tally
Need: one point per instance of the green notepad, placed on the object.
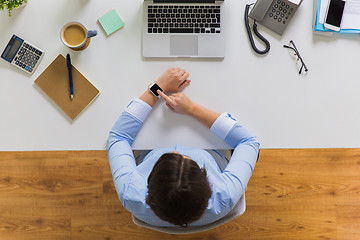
(111, 22)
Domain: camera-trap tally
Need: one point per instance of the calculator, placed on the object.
(22, 54)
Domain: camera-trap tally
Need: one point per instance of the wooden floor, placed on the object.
(293, 194)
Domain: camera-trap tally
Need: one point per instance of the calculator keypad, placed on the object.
(27, 57)
(281, 11)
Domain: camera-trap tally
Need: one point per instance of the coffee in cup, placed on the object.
(75, 35)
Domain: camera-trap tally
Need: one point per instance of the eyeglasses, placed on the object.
(297, 55)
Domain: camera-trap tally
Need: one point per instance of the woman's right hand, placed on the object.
(178, 102)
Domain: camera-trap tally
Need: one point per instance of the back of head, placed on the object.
(178, 190)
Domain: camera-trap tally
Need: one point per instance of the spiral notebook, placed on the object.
(54, 81)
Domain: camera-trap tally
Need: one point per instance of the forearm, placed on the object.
(203, 114)
(149, 98)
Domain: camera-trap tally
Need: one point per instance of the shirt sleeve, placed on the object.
(121, 137)
(246, 150)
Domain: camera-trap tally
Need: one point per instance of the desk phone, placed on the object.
(274, 14)
(22, 54)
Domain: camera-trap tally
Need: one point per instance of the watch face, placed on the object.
(154, 89)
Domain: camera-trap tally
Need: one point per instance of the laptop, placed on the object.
(183, 28)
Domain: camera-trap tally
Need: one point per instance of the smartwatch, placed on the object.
(153, 87)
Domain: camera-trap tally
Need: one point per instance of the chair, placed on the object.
(238, 210)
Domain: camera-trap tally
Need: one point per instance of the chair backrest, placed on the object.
(238, 210)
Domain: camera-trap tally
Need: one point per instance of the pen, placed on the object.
(68, 64)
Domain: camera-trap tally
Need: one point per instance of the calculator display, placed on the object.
(14, 48)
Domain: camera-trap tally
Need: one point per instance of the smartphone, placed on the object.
(334, 15)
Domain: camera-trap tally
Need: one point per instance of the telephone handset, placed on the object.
(259, 10)
(274, 14)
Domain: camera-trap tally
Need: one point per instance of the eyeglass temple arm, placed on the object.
(298, 54)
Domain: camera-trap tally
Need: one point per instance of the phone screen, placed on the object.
(335, 12)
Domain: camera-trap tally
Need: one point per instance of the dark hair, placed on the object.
(178, 190)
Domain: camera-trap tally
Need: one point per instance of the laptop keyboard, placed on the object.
(202, 19)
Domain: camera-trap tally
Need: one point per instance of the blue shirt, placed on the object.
(228, 185)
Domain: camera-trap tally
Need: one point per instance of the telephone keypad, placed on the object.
(280, 11)
(274, 14)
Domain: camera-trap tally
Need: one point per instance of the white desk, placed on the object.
(266, 94)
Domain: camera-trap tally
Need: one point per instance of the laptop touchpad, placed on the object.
(184, 45)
